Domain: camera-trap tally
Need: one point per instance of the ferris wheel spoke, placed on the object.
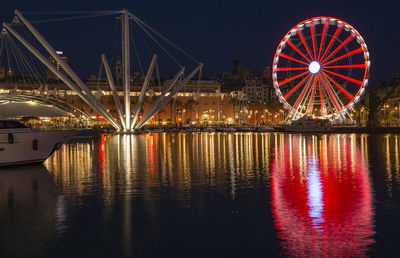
(297, 50)
(292, 78)
(332, 39)
(278, 69)
(332, 98)
(345, 92)
(295, 87)
(338, 100)
(344, 66)
(313, 39)
(345, 77)
(291, 58)
(320, 95)
(303, 91)
(311, 96)
(322, 39)
(304, 42)
(347, 40)
(356, 51)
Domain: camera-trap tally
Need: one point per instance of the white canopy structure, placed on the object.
(127, 122)
(28, 109)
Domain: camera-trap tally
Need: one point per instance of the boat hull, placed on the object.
(25, 147)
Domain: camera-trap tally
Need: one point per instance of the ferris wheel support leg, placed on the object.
(60, 75)
(114, 90)
(143, 91)
(155, 107)
(92, 99)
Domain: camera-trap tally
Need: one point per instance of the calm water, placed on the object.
(207, 195)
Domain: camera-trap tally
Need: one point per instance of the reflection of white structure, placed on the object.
(315, 195)
(27, 200)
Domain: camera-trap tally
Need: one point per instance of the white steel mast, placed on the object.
(143, 91)
(94, 102)
(114, 90)
(126, 66)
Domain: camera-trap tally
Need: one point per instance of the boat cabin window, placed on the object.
(11, 125)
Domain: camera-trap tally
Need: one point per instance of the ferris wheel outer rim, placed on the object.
(367, 64)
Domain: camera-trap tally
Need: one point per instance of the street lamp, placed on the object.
(384, 114)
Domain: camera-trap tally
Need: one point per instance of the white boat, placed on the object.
(22, 145)
(308, 124)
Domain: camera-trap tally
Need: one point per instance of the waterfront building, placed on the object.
(199, 102)
(50, 76)
(238, 97)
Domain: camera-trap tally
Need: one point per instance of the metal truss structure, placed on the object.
(126, 122)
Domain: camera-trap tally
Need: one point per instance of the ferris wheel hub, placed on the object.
(314, 67)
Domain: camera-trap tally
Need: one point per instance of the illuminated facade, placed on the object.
(199, 102)
(50, 76)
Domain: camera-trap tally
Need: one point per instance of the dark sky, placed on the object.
(216, 32)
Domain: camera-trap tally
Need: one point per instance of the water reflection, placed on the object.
(186, 195)
(28, 211)
(321, 196)
(390, 149)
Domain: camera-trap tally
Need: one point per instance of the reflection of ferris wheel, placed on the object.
(320, 68)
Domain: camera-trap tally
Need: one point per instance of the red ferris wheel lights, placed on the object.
(297, 50)
(290, 68)
(330, 93)
(291, 78)
(345, 77)
(313, 39)
(303, 91)
(322, 38)
(320, 96)
(291, 58)
(345, 66)
(332, 39)
(348, 95)
(339, 47)
(335, 60)
(295, 87)
(356, 51)
(303, 41)
(311, 96)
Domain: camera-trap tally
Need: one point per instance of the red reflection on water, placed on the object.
(321, 196)
(101, 154)
(151, 159)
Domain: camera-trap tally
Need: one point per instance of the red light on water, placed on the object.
(321, 197)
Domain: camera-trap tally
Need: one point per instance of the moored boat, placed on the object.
(308, 124)
(265, 129)
(21, 145)
(228, 129)
(209, 130)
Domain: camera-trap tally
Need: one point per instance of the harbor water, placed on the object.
(207, 195)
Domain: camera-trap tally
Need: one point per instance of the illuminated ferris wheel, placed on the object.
(321, 68)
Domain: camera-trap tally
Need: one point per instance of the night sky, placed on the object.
(216, 32)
